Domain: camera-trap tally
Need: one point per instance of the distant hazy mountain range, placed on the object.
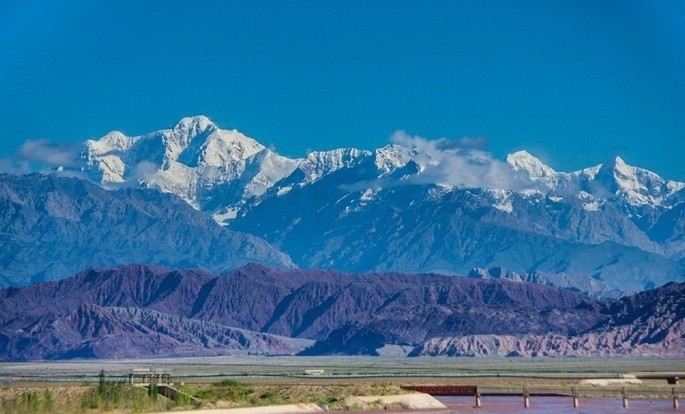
(135, 310)
(52, 227)
(417, 206)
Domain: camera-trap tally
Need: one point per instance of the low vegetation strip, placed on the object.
(271, 409)
(119, 397)
(107, 394)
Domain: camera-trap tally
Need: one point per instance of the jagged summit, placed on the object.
(218, 170)
(195, 160)
(185, 132)
(320, 163)
(612, 179)
(618, 166)
(393, 156)
(637, 186)
(197, 122)
(525, 161)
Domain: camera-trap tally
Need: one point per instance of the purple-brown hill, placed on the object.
(139, 310)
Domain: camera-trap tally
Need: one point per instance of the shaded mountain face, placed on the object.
(432, 229)
(52, 227)
(416, 205)
(311, 304)
(187, 312)
(590, 286)
(649, 323)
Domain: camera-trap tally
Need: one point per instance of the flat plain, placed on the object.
(238, 381)
(346, 368)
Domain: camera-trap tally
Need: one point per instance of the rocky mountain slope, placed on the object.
(390, 210)
(92, 331)
(647, 324)
(138, 310)
(154, 310)
(52, 227)
(433, 229)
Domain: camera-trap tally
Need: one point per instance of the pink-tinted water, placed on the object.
(544, 405)
(557, 405)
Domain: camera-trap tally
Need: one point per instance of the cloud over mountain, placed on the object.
(459, 163)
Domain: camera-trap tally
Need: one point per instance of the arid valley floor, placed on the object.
(330, 382)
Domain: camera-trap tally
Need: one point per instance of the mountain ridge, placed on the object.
(136, 310)
(52, 227)
(200, 140)
(407, 200)
(649, 323)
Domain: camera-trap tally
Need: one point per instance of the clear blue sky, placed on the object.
(574, 82)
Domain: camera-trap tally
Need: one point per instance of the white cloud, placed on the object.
(142, 171)
(44, 156)
(460, 163)
(473, 142)
(49, 154)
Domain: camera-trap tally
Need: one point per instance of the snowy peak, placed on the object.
(542, 177)
(184, 132)
(218, 170)
(619, 170)
(637, 186)
(209, 167)
(194, 125)
(321, 163)
(392, 157)
(367, 165)
(613, 179)
(196, 141)
(219, 148)
(524, 161)
(266, 168)
(113, 142)
(193, 142)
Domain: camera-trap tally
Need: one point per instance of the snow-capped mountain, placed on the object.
(397, 208)
(536, 170)
(218, 170)
(615, 179)
(212, 169)
(416, 205)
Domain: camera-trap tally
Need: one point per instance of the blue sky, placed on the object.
(573, 82)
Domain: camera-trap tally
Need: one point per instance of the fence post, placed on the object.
(625, 397)
(676, 402)
(526, 398)
(575, 397)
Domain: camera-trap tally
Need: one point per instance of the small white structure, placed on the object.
(147, 376)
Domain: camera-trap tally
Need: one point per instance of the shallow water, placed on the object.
(557, 405)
